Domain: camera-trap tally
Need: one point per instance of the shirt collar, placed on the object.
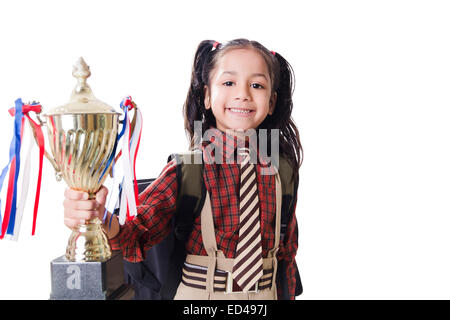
(228, 142)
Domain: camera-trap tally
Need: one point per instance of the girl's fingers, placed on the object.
(78, 209)
(82, 214)
(81, 204)
(101, 195)
(72, 194)
(69, 222)
(73, 223)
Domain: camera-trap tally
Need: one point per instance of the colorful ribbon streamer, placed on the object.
(8, 224)
(24, 192)
(14, 155)
(130, 146)
(128, 189)
(41, 143)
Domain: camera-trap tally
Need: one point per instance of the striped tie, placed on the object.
(248, 265)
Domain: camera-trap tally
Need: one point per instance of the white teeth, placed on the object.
(240, 111)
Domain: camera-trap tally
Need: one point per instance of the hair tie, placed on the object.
(215, 45)
(273, 52)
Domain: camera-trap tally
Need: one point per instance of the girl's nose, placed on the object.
(242, 93)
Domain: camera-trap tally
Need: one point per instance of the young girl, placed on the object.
(236, 86)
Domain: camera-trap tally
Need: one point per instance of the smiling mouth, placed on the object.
(240, 111)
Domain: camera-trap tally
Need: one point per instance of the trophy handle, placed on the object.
(58, 174)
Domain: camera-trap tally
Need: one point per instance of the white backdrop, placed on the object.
(371, 103)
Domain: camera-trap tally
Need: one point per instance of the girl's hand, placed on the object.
(78, 209)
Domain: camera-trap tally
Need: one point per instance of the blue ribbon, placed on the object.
(113, 153)
(125, 110)
(4, 172)
(17, 130)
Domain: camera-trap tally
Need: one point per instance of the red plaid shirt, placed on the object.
(158, 204)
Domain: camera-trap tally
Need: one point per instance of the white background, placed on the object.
(371, 103)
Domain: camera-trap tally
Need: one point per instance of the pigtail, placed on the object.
(194, 106)
(283, 84)
(289, 135)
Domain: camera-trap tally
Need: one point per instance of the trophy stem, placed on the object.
(88, 242)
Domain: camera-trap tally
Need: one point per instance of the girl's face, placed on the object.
(240, 90)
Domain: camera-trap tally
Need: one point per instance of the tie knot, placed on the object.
(244, 154)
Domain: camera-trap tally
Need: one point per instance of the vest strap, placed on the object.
(216, 259)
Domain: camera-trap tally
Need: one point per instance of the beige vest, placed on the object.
(215, 260)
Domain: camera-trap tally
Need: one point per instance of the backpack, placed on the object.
(158, 276)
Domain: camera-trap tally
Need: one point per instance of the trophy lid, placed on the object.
(82, 99)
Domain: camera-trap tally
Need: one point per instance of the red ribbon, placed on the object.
(136, 191)
(12, 171)
(11, 183)
(26, 108)
(37, 108)
(130, 104)
(127, 103)
(41, 143)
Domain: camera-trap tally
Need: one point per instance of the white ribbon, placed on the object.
(24, 191)
(135, 138)
(127, 184)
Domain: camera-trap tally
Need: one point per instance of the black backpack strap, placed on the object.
(190, 198)
(191, 192)
(289, 185)
(158, 276)
(289, 188)
(146, 283)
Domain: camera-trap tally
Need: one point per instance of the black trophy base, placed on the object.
(89, 280)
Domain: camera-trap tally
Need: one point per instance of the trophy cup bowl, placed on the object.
(82, 135)
(81, 145)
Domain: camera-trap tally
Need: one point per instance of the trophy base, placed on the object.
(89, 280)
(88, 242)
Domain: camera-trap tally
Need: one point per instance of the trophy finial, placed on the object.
(82, 99)
(81, 72)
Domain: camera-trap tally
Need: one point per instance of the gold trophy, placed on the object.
(82, 135)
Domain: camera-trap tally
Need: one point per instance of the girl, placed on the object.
(235, 86)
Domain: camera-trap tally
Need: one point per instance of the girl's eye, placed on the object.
(257, 86)
(228, 83)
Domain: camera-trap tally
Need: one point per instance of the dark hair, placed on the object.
(282, 77)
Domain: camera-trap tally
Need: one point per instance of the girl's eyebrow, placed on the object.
(253, 74)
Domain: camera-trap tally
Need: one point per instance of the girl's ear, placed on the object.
(207, 100)
(272, 103)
